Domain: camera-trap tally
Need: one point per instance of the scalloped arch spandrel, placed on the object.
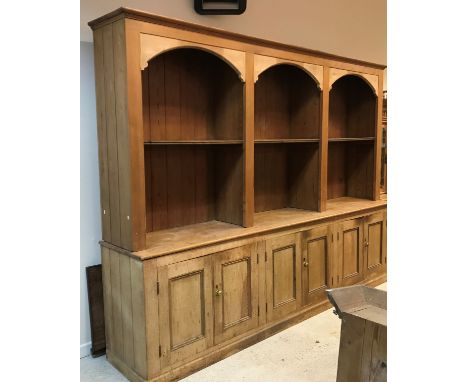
(152, 46)
(371, 79)
(262, 63)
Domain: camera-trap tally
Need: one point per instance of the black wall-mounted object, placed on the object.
(219, 7)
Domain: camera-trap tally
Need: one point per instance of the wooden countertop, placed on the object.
(169, 241)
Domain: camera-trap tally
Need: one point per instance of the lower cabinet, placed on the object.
(235, 279)
(375, 244)
(349, 252)
(317, 265)
(206, 301)
(185, 309)
(283, 276)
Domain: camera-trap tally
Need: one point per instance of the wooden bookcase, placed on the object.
(239, 180)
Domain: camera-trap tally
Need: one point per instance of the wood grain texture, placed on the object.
(193, 95)
(262, 63)
(152, 46)
(350, 237)
(323, 145)
(186, 310)
(112, 136)
(317, 263)
(249, 126)
(283, 276)
(287, 104)
(197, 236)
(350, 170)
(352, 109)
(193, 184)
(375, 244)
(235, 277)
(102, 134)
(151, 319)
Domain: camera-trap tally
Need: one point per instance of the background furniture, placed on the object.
(240, 178)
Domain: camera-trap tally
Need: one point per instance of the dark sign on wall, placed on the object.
(219, 7)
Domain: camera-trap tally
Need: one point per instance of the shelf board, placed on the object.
(197, 142)
(174, 240)
(361, 139)
(292, 140)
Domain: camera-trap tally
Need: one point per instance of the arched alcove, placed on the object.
(287, 104)
(352, 108)
(287, 129)
(190, 94)
(193, 126)
(351, 135)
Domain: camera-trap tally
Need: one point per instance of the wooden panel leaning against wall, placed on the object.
(230, 203)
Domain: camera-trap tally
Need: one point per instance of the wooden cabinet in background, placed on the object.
(283, 278)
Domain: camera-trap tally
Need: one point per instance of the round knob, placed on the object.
(366, 244)
(219, 292)
(306, 264)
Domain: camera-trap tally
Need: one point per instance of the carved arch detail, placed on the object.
(262, 63)
(371, 79)
(152, 45)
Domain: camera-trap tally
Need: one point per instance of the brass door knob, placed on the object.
(219, 292)
(366, 244)
(306, 264)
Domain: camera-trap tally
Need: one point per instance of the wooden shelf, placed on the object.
(197, 142)
(193, 236)
(361, 139)
(287, 140)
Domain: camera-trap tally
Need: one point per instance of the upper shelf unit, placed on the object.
(191, 96)
(353, 107)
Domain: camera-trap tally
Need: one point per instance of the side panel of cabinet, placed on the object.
(186, 311)
(350, 259)
(317, 267)
(375, 244)
(283, 276)
(236, 292)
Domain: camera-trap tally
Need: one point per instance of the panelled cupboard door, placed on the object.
(283, 275)
(185, 309)
(350, 259)
(316, 264)
(236, 292)
(375, 244)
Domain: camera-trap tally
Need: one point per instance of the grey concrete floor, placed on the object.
(305, 352)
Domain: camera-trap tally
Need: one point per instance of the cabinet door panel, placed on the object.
(350, 243)
(185, 309)
(375, 244)
(316, 264)
(236, 292)
(283, 276)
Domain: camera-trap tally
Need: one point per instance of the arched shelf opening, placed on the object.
(287, 130)
(351, 136)
(353, 108)
(191, 94)
(193, 126)
(287, 104)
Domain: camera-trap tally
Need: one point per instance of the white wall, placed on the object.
(90, 222)
(356, 29)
